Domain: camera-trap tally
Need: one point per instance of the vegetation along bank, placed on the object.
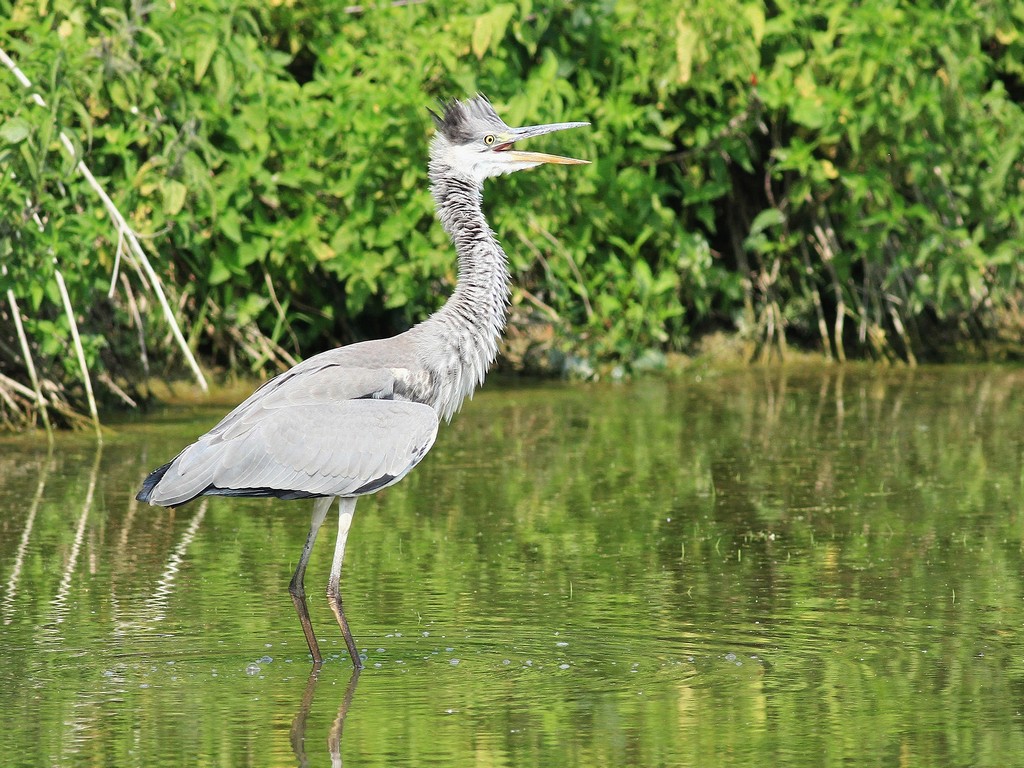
(845, 178)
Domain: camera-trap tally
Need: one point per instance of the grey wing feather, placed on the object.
(306, 385)
(361, 441)
(306, 438)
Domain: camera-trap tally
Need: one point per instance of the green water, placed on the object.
(768, 568)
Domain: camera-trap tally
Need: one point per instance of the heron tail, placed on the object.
(150, 482)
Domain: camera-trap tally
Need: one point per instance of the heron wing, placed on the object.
(306, 438)
(306, 384)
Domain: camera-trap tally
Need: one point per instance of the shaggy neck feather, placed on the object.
(466, 330)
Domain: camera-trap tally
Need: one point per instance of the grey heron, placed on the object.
(353, 420)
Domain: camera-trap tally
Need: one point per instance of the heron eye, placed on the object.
(488, 140)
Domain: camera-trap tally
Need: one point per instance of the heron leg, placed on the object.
(297, 587)
(346, 508)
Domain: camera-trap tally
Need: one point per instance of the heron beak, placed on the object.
(528, 132)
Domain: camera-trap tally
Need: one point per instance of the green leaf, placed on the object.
(225, 80)
(219, 273)
(489, 29)
(770, 217)
(686, 44)
(230, 224)
(809, 112)
(15, 130)
(754, 14)
(321, 250)
(205, 49)
(174, 193)
(655, 143)
(790, 58)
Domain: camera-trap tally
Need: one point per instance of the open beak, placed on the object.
(519, 134)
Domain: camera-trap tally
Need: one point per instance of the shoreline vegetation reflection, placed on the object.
(662, 572)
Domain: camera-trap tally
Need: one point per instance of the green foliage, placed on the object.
(775, 169)
(900, 160)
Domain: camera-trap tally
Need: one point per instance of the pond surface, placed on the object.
(761, 568)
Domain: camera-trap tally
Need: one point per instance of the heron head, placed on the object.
(473, 140)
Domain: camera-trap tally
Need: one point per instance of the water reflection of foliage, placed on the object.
(861, 530)
(858, 533)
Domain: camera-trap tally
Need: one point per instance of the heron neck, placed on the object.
(466, 330)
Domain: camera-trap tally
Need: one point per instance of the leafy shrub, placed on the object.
(848, 176)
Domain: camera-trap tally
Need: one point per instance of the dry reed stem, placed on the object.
(79, 351)
(29, 362)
